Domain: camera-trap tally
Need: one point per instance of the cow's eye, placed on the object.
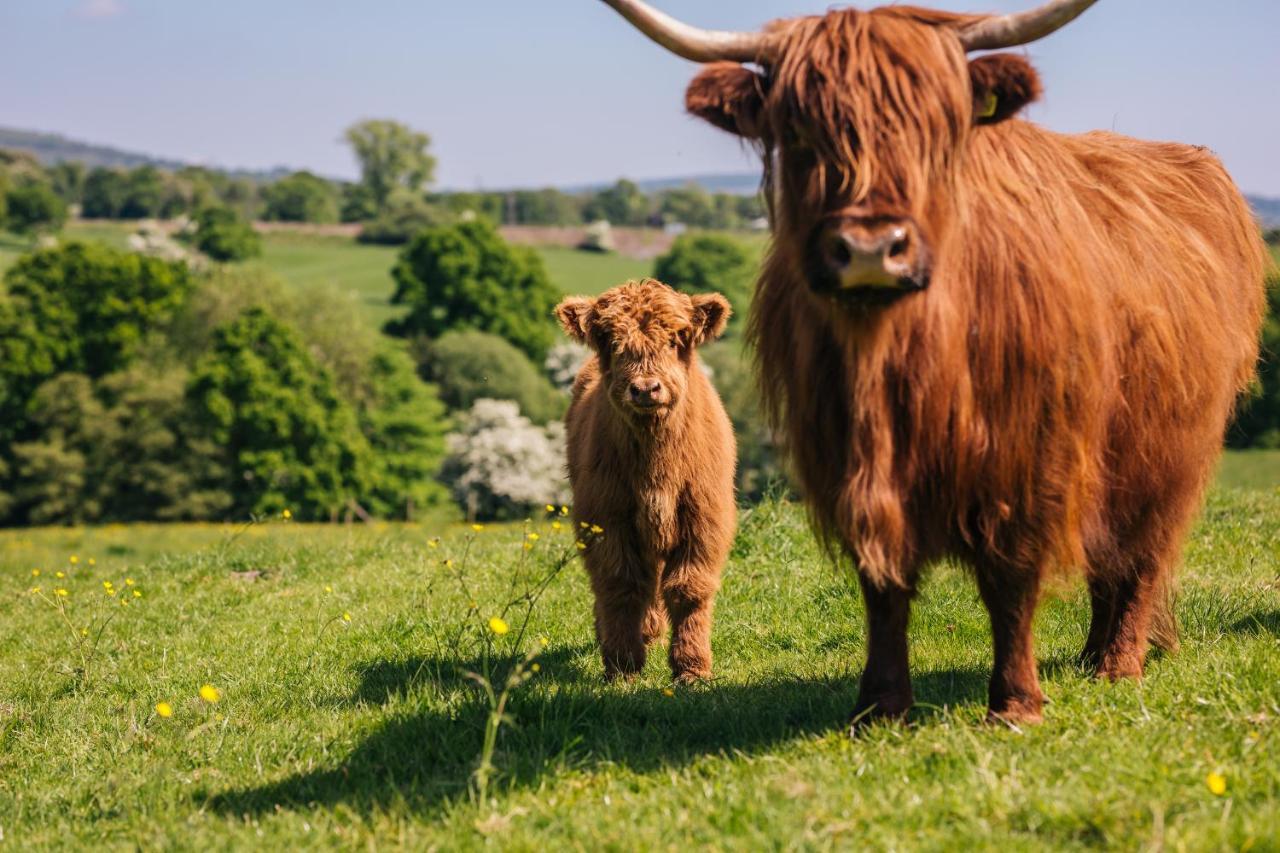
(675, 343)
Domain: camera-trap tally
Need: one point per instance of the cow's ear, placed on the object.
(574, 314)
(710, 315)
(1003, 83)
(729, 96)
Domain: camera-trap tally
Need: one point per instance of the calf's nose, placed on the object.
(645, 390)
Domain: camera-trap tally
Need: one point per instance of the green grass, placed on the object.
(365, 733)
(1250, 469)
(589, 273)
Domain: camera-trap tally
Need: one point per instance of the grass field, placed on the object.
(366, 732)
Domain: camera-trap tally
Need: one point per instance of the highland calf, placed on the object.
(979, 338)
(651, 461)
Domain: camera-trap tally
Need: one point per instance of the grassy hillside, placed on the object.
(366, 732)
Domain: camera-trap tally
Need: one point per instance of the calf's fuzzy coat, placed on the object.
(651, 461)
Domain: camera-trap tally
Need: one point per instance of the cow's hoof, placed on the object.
(691, 676)
(1016, 712)
(890, 708)
(1115, 667)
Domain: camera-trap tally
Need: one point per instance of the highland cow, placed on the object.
(651, 462)
(980, 338)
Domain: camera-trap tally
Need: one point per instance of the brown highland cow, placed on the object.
(651, 461)
(980, 338)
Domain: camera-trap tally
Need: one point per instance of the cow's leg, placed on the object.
(1102, 607)
(1011, 595)
(689, 587)
(625, 595)
(885, 688)
(1139, 598)
(655, 623)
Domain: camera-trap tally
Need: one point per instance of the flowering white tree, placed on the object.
(563, 362)
(499, 464)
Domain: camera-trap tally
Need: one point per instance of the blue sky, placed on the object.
(537, 92)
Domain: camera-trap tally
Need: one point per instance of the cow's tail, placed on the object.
(1164, 622)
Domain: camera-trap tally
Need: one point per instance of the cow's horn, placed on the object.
(997, 31)
(692, 43)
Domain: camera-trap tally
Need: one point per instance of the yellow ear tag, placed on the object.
(988, 105)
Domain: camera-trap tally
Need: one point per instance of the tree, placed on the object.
(621, 204)
(82, 308)
(465, 276)
(300, 197)
(546, 207)
(391, 156)
(468, 365)
(34, 207)
(690, 205)
(67, 178)
(405, 424)
(285, 437)
(404, 217)
(104, 193)
(144, 193)
(707, 263)
(223, 235)
(500, 465)
(1258, 424)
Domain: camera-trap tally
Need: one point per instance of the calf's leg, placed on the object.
(1011, 595)
(885, 688)
(689, 587)
(625, 598)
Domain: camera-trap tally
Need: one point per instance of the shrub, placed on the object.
(466, 276)
(285, 439)
(80, 308)
(707, 263)
(563, 363)
(760, 470)
(224, 235)
(500, 465)
(144, 193)
(104, 193)
(469, 365)
(33, 207)
(403, 219)
(598, 237)
(300, 197)
(1258, 424)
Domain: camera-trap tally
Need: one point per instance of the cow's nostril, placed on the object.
(838, 253)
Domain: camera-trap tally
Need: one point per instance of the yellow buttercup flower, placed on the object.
(582, 546)
(477, 527)
(528, 546)
(137, 593)
(543, 641)
(555, 525)
(564, 510)
(328, 588)
(286, 515)
(533, 537)
(1217, 783)
(35, 590)
(128, 581)
(433, 542)
(59, 574)
(498, 625)
(74, 559)
(164, 709)
(84, 632)
(550, 508)
(210, 694)
(60, 592)
(536, 667)
(93, 562)
(597, 529)
(35, 573)
(346, 617)
(667, 691)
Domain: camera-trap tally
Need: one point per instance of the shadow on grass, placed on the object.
(1267, 622)
(566, 718)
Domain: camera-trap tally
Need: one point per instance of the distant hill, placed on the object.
(54, 148)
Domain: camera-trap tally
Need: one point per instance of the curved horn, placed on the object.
(692, 43)
(997, 31)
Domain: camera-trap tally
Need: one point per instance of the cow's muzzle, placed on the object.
(856, 255)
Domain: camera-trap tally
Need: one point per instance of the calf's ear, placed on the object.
(711, 313)
(1003, 83)
(574, 314)
(729, 96)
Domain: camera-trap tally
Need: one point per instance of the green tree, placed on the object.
(690, 205)
(405, 424)
(222, 234)
(1258, 424)
(621, 204)
(34, 207)
(104, 193)
(67, 178)
(82, 308)
(546, 207)
(392, 156)
(286, 439)
(468, 365)
(300, 197)
(144, 193)
(709, 263)
(465, 276)
(404, 217)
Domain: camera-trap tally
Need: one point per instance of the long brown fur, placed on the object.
(1055, 398)
(658, 483)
